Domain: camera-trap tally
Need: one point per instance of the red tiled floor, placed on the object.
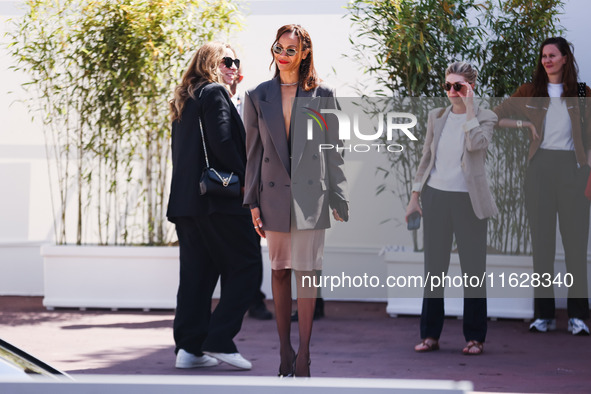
(354, 340)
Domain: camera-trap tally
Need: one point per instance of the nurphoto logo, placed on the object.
(400, 121)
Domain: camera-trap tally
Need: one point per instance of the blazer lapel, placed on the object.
(477, 102)
(273, 114)
(238, 120)
(438, 128)
(298, 137)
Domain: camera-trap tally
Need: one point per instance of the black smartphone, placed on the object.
(343, 210)
(341, 205)
(414, 221)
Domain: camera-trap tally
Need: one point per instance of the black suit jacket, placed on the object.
(225, 141)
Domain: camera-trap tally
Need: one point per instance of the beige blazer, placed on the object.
(478, 134)
(301, 187)
(518, 106)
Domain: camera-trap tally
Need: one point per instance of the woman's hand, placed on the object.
(506, 122)
(336, 216)
(413, 205)
(467, 95)
(255, 213)
(532, 129)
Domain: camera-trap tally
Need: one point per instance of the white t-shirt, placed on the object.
(447, 172)
(558, 130)
(237, 99)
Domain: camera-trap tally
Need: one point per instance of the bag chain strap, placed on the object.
(225, 181)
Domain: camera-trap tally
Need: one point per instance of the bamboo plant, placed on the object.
(101, 75)
(405, 46)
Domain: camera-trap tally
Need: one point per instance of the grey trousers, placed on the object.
(554, 188)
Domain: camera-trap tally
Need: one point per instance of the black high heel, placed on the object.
(294, 368)
(291, 373)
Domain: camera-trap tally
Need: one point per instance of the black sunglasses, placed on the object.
(457, 86)
(228, 62)
(278, 49)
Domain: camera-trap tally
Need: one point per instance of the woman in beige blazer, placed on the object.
(290, 184)
(456, 200)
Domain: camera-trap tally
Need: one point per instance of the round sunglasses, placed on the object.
(456, 85)
(278, 49)
(228, 62)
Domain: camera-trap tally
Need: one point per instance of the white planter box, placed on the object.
(144, 277)
(21, 268)
(114, 277)
(147, 278)
(503, 302)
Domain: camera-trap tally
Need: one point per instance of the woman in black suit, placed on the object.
(216, 236)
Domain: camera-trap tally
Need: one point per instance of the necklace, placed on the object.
(288, 84)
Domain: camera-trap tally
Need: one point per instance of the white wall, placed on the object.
(330, 34)
(576, 22)
(326, 25)
(25, 210)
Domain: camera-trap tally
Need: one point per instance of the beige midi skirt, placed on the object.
(300, 250)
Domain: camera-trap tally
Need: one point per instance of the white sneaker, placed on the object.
(185, 359)
(233, 359)
(577, 327)
(543, 325)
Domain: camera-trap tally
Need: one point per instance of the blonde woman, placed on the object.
(456, 201)
(216, 237)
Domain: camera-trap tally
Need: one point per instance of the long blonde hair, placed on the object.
(203, 68)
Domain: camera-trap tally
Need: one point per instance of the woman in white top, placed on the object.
(556, 177)
(455, 200)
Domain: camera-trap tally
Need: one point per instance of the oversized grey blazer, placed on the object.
(303, 186)
(478, 134)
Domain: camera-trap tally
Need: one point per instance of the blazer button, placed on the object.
(271, 184)
(310, 181)
(266, 159)
(315, 156)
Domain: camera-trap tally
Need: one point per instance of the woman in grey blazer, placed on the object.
(290, 183)
(456, 200)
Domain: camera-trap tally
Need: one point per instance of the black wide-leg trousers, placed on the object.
(211, 247)
(555, 187)
(446, 214)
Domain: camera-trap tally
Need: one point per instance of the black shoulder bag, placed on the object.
(214, 182)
